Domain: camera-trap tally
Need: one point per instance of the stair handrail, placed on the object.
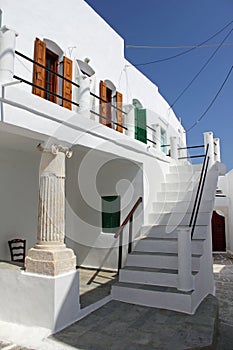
(129, 218)
(200, 188)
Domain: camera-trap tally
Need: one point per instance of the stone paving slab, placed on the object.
(123, 326)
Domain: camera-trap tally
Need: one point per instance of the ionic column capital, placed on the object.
(55, 149)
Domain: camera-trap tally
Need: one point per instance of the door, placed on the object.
(218, 233)
(140, 125)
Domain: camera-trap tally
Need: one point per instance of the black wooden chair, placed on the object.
(17, 249)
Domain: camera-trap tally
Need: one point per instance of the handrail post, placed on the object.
(174, 147)
(184, 278)
(209, 140)
(7, 49)
(130, 234)
(120, 253)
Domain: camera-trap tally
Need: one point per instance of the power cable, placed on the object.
(186, 51)
(202, 68)
(212, 102)
(176, 47)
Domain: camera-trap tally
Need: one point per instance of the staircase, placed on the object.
(150, 276)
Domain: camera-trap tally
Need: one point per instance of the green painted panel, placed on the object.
(111, 213)
(140, 125)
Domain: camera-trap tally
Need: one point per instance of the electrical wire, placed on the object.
(176, 47)
(186, 51)
(211, 103)
(202, 68)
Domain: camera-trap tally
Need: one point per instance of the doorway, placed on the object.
(218, 233)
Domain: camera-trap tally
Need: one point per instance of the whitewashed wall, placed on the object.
(84, 34)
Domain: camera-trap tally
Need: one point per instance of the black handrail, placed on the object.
(108, 119)
(43, 89)
(200, 188)
(190, 156)
(105, 101)
(46, 68)
(145, 139)
(129, 218)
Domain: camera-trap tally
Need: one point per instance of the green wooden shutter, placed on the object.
(110, 214)
(140, 124)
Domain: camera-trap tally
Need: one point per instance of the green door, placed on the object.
(110, 214)
(140, 124)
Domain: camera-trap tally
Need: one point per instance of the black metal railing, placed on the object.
(200, 189)
(191, 156)
(110, 121)
(143, 138)
(47, 70)
(129, 218)
(108, 103)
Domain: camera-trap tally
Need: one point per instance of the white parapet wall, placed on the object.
(40, 301)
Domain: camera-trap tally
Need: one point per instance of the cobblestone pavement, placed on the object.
(141, 336)
(223, 274)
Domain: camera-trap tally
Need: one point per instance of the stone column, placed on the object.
(7, 49)
(50, 255)
(157, 136)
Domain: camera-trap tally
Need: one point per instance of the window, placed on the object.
(47, 83)
(163, 140)
(50, 78)
(108, 112)
(110, 214)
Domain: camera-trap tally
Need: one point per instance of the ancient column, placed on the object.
(50, 255)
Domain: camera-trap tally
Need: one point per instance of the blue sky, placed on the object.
(178, 23)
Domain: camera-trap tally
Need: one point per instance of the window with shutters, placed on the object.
(110, 214)
(46, 84)
(110, 98)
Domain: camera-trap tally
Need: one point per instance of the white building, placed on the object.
(125, 143)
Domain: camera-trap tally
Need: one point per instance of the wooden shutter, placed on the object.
(66, 86)
(140, 125)
(39, 72)
(119, 114)
(103, 105)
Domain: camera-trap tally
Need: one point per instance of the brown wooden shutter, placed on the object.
(66, 86)
(103, 105)
(39, 72)
(119, 114)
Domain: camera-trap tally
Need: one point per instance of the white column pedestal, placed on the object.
(7, 49)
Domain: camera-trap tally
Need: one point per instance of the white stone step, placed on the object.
(175, 196)
(166, 231)
(159, 260)
(177, 218)
(153, 296)
(152, 276)
(165, 245)
(180, 206)
(185, 168)
(178, 186)
(181, 177)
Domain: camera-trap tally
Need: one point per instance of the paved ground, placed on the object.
(223, 272)
(95, 285)
(125, 326)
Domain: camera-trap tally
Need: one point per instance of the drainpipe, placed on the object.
(208, 139)
(7, 54)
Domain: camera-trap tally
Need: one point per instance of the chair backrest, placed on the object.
(17, 249)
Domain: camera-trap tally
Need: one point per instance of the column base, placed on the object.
(50, 261)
